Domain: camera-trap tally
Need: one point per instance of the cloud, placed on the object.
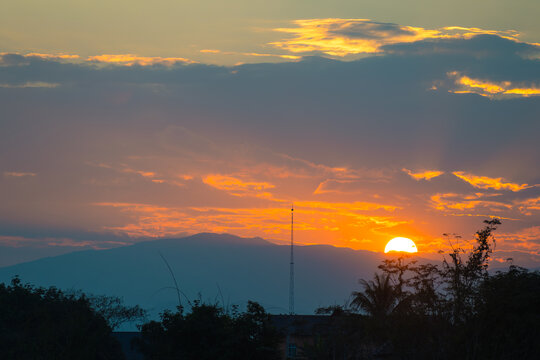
(20, 241)
(342, 37)
(236, 186)
(336, 186)
(131, 59)
(345, 206)
(254, 54)
(484, 182)
(460, 202)
(529, 206)
(14, 59)
(53, 56)
(30, 84)
(491, 89)
(311, 217)
(423, 175)
(520, 245)
(18, 174)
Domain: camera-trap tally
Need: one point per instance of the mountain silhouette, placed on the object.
(214, 267)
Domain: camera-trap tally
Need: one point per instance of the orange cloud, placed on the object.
(425, 175)
(53, 56)
(334, 186)
(451, 201)
(491, 89)
(236, 186)
(342, 206)
(130, 60)
(484, 182)
(286, 56)
(524, 243)
(529, 205)
(290, 57)
(146, 174)
(341, 37)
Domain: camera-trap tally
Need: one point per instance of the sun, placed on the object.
(401, 244)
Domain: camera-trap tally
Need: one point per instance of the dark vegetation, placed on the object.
(39, 323)
(456, 310)
(209, 332)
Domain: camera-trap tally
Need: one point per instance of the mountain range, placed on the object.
(213, 267)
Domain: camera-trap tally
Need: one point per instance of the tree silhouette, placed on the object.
(454, 311)
(463, 276)
(39, 323)
(378, 298)
(208, 332)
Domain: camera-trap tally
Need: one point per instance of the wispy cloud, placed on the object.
(29, 84)
(423, 175)
(529, 206)
(460, 202)
(236, 186)
(254, 54)
(491, 89)
(336, 186)
(131, 59)
(485, 182)
(40, 242)
(18, 174)
(53, 56)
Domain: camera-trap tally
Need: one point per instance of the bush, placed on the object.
(38, 323)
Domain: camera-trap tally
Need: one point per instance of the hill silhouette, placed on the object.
(219, 267)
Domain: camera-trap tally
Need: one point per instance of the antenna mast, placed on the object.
(291, 279)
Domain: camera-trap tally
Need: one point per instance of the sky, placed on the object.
(126, 121)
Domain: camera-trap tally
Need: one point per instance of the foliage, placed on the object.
(508, 315)
(40, 323)
(378, 298)
(453, 311)
(463, 277)
(113, 310)
(208, 332)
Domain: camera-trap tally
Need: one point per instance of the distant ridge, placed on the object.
(219, 267)
(214, 238)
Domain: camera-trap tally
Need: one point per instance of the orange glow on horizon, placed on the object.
(336, 208)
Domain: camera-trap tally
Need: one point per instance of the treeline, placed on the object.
(209, 332)
(47, 323)
(38, 323)
(456, 310)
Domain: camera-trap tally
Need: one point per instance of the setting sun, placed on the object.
(401, 244)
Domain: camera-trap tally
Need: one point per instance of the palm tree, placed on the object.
(378, 298)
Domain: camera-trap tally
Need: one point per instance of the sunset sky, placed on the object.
(128, 120)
